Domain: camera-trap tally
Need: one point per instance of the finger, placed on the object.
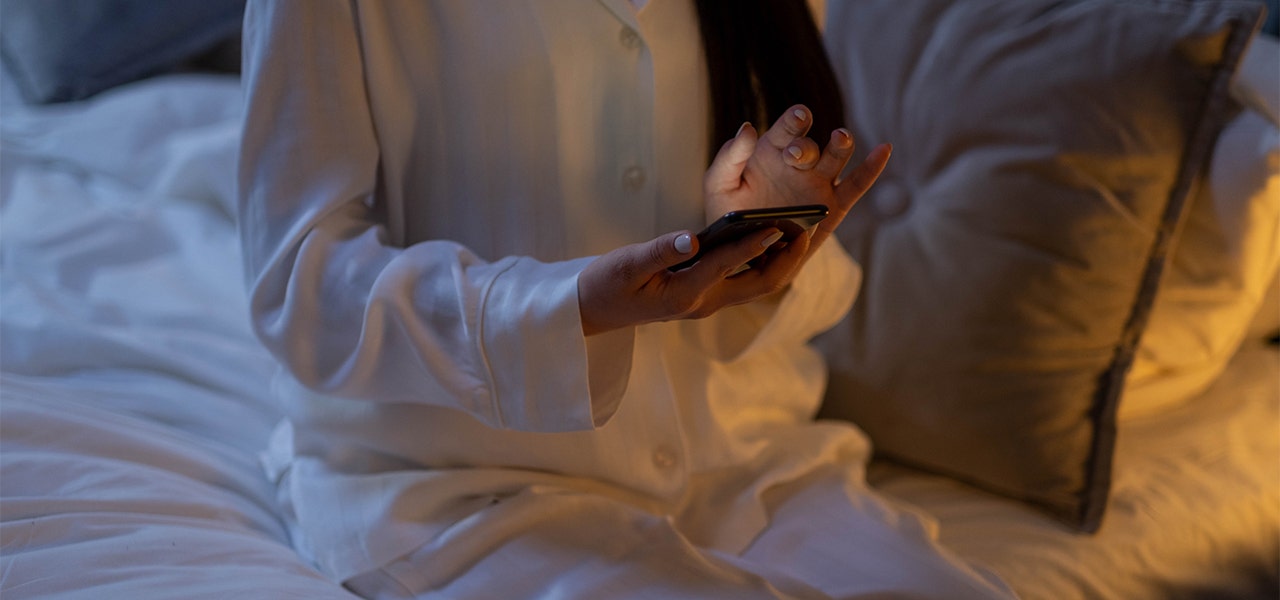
(725, 173)
(793, 123)
(863, 176)
(722, 261)
(769, 275)
(802, 154)
(836, 156)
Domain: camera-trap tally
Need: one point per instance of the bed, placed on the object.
(135, 401)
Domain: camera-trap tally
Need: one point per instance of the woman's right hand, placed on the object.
(632, 285)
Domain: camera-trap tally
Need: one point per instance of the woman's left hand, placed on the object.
(785, 168)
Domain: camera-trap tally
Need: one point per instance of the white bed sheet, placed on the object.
(132, 393)
(1195, 510)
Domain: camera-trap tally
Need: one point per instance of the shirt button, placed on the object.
(629, 38)
(664, 457)
(633, 178)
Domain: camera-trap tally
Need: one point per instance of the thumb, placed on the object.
(667, 251)
(638, 262)
(725, 172)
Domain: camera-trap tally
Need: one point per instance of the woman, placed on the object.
(457, 220)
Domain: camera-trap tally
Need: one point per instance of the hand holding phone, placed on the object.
(631, 285)
(790, 220)
(783, 167)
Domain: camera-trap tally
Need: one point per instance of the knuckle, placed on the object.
(774, 286)
(656, 255)
(625, 270)
(681, 304)
(724, 270)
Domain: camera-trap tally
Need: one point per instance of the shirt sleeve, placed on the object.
(349, 314)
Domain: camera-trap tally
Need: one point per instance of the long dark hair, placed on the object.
(764, 56)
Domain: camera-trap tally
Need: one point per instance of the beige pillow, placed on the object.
(1226, 255)
(1044, 152)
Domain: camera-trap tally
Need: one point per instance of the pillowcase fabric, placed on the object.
(1043, 156)
(1226, 255)
(62, 50)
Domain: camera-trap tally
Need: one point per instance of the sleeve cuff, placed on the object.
(545, 375)
(608, 370)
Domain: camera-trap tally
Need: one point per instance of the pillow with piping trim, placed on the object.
(1044, 153)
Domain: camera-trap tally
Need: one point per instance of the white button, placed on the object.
(664, 457)
(629, 38)
(633, 178)
(891, 199)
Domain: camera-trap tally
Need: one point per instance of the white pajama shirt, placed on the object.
(421, 184)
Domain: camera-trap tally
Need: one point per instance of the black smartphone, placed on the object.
(790, 220)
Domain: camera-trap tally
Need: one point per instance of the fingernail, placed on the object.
(742, 127)
(799, 113)
(684, 243)
(843, 137)
(795, 152)
(769, 241)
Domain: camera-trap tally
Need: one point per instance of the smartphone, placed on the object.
(790, 220)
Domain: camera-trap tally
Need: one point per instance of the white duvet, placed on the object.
(132, 397)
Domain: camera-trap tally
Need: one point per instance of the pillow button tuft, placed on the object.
(891, 199)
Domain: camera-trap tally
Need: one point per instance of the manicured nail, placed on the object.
(684, 244)
(795, 152)
(844, 139)
(799, 113)
(769, 241)
(741, 128)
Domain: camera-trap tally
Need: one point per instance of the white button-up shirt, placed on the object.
(421, 183)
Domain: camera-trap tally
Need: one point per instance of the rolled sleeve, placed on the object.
(551, 378)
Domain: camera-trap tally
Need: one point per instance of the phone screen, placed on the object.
(791, 221)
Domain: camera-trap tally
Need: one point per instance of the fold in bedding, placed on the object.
(132, 393)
